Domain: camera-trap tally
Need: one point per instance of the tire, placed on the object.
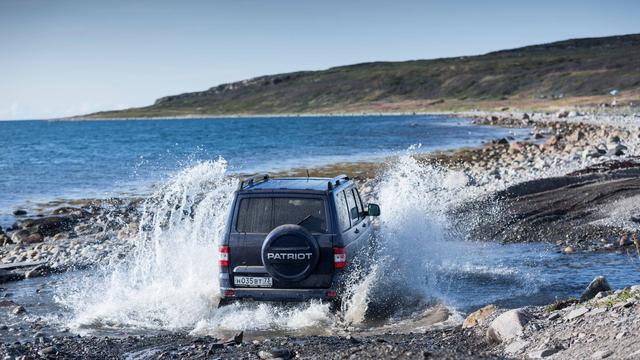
(290, 253)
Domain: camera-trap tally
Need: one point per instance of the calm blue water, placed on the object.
(41, 160)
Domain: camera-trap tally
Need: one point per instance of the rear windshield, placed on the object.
(261, 215)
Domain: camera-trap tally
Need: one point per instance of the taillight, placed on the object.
(229, 293)
(223, 256)
(339, 257)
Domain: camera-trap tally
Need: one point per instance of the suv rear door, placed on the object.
(256, 215)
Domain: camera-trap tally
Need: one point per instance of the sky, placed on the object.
(60, 57)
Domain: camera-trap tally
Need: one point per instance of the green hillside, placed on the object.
(580, 68)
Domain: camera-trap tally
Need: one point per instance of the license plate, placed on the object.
(253, 281)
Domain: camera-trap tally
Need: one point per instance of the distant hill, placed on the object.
(573, 69)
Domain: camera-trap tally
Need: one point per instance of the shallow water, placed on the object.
(41, 161)
(423, 273)
(527, 274)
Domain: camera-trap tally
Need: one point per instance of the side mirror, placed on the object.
(373, 210)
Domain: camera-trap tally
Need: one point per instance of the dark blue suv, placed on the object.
(292, 239)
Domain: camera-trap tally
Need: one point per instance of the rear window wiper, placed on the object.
(305, 219)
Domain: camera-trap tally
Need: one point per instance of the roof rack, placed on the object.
(252, 180)
(336, 181)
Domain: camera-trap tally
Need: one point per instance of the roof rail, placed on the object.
(336, 181)
(252, 180)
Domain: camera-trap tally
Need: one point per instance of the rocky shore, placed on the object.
(67, 238)
(574, 182)
(602, 324)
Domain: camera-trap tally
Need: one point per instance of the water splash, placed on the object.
(421, 261)
(170, 279)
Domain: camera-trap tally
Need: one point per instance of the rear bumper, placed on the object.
(269, 294)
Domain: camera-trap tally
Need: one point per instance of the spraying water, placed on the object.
(170, 280)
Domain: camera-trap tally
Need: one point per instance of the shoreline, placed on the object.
(564, 155)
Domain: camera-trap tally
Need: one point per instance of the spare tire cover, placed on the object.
(290, 253)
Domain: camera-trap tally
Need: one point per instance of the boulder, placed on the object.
(598, 284)
(516, 146)
(18, 310)
(20, 212)
(591, 152)
(576, 313)
(87, 229)
(34, 238)
(478, 316)
(70, 210)
(62, 236)
(615, 149)
(37, 271)
(48, 226)
(20, 236)
(516, 347)
(625, 240)
(601, 354)
(276, 354)
(5, 239)
(562, 114)
(576, 136)
(552, 141)
(508, 325)
(542, 353)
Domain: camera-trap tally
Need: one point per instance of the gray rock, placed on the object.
(508, 325)
(516, 347)
(18, 310)
(34, 238)
(591, 152)
(602, 354)
(275, 354)
(61, 236)
(576, 136)
(50, 350)
(616, 149)
(87, 229)
(598, 284)
(576, 313)
(5, 240)
(20, 236)
(539, 354)
(37, 271)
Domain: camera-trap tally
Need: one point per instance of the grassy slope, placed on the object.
(579, 71)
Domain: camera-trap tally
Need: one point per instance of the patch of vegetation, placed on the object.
(556, 71)
(560, 304)
(611, 300)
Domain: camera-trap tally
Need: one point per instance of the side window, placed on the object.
(354, 215)
(343, 211)
(356, 194)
